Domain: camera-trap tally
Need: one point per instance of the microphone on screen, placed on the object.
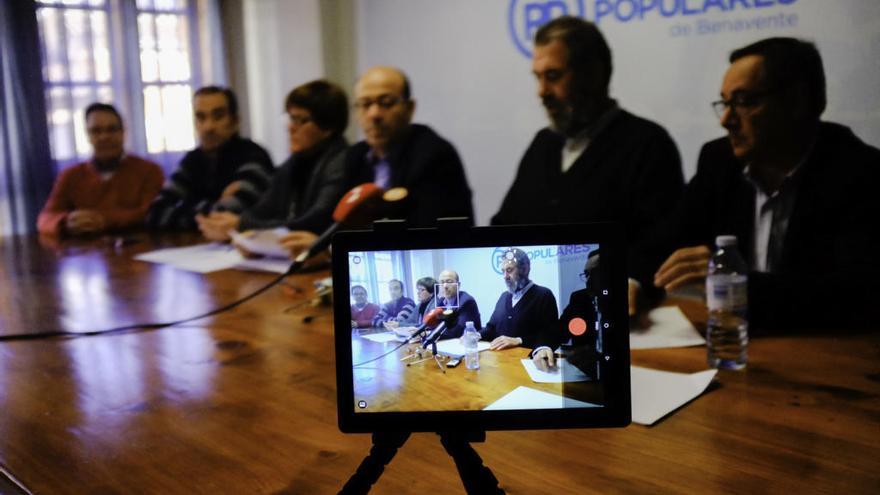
(357, 208)
(447, 319)
(430, 321)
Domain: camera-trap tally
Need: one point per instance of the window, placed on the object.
(76, 44)
(374, 270)
(166, 73)
(90, 49)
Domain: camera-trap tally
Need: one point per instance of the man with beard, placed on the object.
(524, 311)
(596, 161)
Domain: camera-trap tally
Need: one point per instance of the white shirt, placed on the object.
(518, 294)
(769, 208)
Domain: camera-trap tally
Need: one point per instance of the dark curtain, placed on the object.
(26, 169)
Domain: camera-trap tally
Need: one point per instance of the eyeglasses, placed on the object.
(740, 101)
(111, 129)
(298, 119)
(385, 102)
(584, 276)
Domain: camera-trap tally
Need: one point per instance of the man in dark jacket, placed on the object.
(799, 194)
(398, 153)
(225, 173)
(524, 311)
(596, 162)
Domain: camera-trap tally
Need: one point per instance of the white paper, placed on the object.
(657, 393)
(201, 258)
(669, 328)
(264, 242)
(454, 347)
(405, 332)
(529, 398)
(382, 337)
(564, 372)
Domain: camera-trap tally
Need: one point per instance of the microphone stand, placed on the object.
(475, 476)
(434, 349)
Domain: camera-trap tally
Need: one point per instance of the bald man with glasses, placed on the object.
(398, 153)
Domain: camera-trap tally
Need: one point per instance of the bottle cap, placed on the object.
(725, 240)
(468, 323)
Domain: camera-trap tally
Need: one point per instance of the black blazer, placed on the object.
(431, 170)
(830, 267)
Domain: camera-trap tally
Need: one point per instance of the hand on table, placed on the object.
(684, 266)
(216, 225)
(544, 359)
(504, 342)
(297, 242)
(84, 222)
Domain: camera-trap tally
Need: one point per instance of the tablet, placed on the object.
(403, 298)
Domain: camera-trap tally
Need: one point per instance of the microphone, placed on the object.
(431, 320)
(447, 319)
(359, 206)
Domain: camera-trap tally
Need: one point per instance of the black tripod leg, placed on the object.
(384, 448)
(476, 478)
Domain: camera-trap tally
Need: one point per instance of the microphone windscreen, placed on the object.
(359, 205)
(432, 318)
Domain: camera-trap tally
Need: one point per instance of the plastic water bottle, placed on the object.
(727, 335)
(471, 339)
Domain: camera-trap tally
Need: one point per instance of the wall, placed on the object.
(475, 86)
(473, 83)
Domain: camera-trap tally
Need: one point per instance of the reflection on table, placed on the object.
(405, 381)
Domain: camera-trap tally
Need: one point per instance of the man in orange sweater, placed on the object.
(110, 192)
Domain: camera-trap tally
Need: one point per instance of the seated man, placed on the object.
(112, 191)
(451, 297)
(399, 309)
(308, 185)
(596, 161)
(362, 312)
(799, 194)
(581, 321)
(524, 311)
(398, 153)
(225, 173)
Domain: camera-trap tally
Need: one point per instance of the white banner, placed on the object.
(470, 65)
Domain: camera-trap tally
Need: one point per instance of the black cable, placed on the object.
(151, 326)
(383, 355)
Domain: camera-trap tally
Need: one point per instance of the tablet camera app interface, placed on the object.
(481, 328)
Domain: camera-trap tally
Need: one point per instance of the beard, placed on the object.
(567, 118)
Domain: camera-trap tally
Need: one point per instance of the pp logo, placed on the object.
(525, 17)
(497, 258)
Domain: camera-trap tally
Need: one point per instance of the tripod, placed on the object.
(476, 478)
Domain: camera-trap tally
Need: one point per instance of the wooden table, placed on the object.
(245, 402)
(396, 381)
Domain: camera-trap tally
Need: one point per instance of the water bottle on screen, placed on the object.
(727, 334)
(471, 339)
